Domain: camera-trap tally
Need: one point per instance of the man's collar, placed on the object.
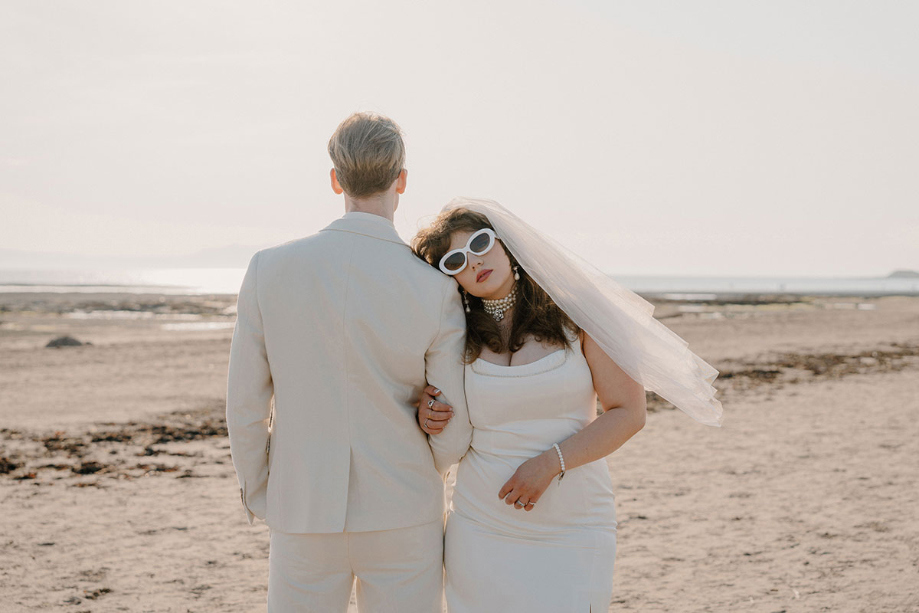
(368, 216)
(367, 224)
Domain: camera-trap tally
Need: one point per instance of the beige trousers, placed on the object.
(397, 571)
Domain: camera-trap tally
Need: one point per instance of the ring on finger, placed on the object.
(431, 403)
(519, 504)
(530, 504)
(426, 424)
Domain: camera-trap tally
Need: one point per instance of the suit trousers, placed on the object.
(397, 571)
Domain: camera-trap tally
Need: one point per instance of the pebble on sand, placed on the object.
(66, 341)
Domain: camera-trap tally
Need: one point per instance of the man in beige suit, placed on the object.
(336, 335)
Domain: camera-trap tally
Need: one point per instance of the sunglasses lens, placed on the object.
(455, 261)
(480, 243)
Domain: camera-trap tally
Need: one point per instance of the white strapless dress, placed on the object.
(557, 558)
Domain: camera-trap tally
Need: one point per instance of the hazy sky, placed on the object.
(652, 137)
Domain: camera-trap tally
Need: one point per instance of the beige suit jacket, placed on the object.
(337, 333)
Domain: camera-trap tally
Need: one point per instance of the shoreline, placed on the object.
(65, 301)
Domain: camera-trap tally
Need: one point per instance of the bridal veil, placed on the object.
(619, 320)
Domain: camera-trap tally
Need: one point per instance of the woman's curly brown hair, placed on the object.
(534, 314)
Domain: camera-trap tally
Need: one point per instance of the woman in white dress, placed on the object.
(532, 523)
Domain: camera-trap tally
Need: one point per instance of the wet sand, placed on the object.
(118, 493)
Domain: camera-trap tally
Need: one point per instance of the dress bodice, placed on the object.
(525, 409)
(518, 412)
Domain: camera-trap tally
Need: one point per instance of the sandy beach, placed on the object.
(117, 491)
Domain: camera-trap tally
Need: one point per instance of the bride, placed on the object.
(532, 525)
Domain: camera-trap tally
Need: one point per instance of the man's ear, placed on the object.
(401, 181)
(335, 185)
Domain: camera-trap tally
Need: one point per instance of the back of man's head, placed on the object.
(368, 153)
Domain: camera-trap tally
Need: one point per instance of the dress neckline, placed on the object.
(549, 355)
(554, 360)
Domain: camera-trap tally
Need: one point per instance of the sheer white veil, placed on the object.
(620, 321)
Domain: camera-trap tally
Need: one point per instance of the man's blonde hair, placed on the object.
(368, 153)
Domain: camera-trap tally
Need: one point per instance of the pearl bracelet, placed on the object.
(561, 460)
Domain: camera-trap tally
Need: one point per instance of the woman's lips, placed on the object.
(482, 276)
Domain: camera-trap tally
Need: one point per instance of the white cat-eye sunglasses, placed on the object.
(480, 243)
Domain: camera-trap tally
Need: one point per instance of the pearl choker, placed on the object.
(497, 308)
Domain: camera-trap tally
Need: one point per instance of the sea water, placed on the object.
(228, 280)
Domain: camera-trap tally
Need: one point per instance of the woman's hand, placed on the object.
(433, 415)
(530, 481)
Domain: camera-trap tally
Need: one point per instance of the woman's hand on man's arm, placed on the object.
(433, 415)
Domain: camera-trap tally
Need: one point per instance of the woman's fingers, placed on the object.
(439, 412)
(428, 400)
(434, 410)
(433, 415)
(516, 496)
(432, 403)
(512, 491)
(433, 427)
(526, 499)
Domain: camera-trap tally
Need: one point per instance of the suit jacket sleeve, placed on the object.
(249, 394)
(445, 371)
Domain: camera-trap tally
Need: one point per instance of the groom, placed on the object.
(335, 337)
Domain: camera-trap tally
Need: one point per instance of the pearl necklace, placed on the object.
(497, 308)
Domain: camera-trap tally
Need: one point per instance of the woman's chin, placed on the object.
(479, 292)
(488, 292)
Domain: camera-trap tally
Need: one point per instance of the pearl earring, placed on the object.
(516, 274)
(466, 302)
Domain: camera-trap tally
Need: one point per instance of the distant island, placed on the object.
(903, 274)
